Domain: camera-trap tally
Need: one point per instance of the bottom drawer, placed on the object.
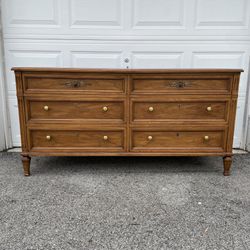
(87, 140)
(156, 140)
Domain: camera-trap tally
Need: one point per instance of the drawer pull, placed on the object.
(46, 108)
(105, 137)
(209, 109)
(206, 137)
(179, 85)
(150, 137)
(77, 84)
(105, 109)
(151, 109)
(48, 137)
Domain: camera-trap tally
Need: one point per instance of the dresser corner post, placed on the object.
(227, 160)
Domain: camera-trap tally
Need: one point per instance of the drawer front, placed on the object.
(87, 110)
(179, 110)
(89, 140)
(111, 83)
(179, 84)
(178, 140)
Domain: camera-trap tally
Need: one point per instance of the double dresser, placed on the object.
(127, 112)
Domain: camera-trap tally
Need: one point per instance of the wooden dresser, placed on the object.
(127, 112)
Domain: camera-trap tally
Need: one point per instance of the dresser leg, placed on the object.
(227, 160)
(26, 165)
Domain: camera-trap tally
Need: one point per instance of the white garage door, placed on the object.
(126, 33)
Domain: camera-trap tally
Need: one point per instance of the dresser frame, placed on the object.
(128, 92)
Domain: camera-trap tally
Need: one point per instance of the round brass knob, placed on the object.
(48, 137)
(150, 137)
(105, 109)
(206, 137)
(105, 137)
(209, 109)
(150, 109)
(46, 108)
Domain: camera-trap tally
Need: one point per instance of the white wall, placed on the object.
(5, 140)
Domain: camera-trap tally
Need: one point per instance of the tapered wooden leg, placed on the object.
(227, 160)
(26, 165)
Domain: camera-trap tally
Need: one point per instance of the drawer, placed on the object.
(88, 140)
(74, 82)
(161, 111)
(186, 140)
(219, 84)
(68, 110)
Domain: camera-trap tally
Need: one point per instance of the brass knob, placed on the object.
(150, 109)
(209, 109)
(105, 137)
(206, 137)
(46, 108)
(105, 109)
(48, 137)
(150, 137)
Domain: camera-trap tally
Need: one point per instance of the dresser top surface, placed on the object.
(110, 70)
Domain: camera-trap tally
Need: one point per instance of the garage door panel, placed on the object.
(149, 59)
(31, 13)
(149, 14)
(95, 13)
(221, 14)
(227, 59)
(95, 59)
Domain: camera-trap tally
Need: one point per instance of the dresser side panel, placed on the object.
(21, 110)
(232, 113)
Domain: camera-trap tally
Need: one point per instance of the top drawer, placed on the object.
(73, 82)
(182, 83)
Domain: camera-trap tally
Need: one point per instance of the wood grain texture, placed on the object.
(181, 110)
(87, 110)
(127, 112)
(87, 140)
(209, 83)
(67, 84)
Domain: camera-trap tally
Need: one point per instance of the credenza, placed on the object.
(126, 112)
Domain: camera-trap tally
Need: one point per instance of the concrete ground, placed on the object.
(124, 203)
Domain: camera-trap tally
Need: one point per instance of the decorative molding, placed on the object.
(221, 14)
(96, 59)
(30, 13)
(163, 14)
(149, 59)
(95, 13)
(218, 59)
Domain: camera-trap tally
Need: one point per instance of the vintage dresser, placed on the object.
(127, 112)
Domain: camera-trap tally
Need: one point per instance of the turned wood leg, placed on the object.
(26, 165)
(227, 160)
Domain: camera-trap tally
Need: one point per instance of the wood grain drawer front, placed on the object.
(66, 84)
(87, 110)
(88, 139)
(179, 110)
(174, 140)
(180, 84)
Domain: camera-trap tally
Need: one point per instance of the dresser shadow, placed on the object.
(97, 165)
